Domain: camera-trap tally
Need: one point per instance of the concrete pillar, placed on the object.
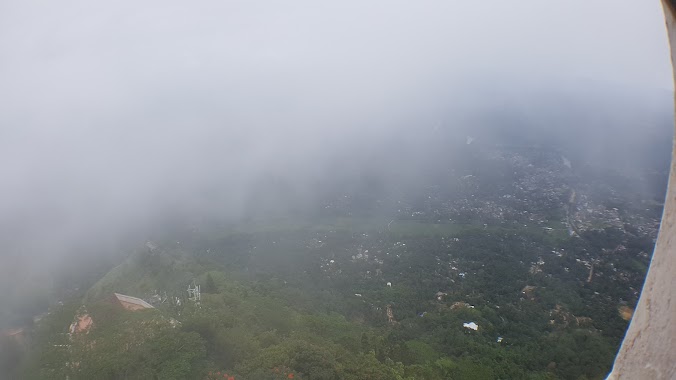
(649, 347)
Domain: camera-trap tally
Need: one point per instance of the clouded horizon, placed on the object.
(112, 112)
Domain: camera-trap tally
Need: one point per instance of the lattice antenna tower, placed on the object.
(194, 293)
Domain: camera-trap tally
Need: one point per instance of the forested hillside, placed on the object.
(520, 263)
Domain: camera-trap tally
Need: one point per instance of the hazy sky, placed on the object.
(71, 64)
(107, 47)
(109, 107)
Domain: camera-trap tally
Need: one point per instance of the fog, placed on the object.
(114, 116)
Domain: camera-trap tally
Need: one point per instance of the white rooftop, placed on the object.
(471, 325)
(134, 300)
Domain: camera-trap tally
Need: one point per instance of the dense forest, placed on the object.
(309, 303)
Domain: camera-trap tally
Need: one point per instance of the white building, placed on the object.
(471, 326)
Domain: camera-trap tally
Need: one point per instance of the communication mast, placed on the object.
(390, 315)
(194, 292)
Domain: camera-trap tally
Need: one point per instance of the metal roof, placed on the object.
(134, 300)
